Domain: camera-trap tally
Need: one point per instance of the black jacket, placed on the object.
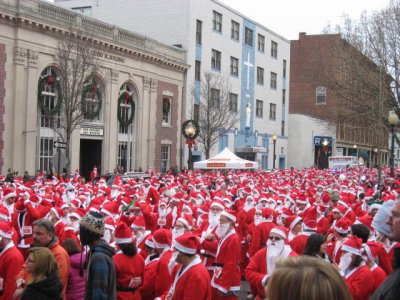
(390, 288)
(48, 289)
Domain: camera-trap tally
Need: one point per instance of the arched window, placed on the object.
(49, 98)
(126, 107)
(92, 99)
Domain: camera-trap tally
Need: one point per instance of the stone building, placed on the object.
(150, 73)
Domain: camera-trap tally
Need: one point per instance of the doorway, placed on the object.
(90, 156)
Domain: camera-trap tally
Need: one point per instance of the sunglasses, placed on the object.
(275, 238)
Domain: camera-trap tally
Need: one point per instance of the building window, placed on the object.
(197, 70)
(92, 100)
(274, 49)
(260, 75)
(248, 39)
(235, 28)
(84, 10)
(284, 68)
(261, 43)
(259, 109)
(196, 112)
(283, 97)
(49, 98)
(216, 60)
(233, 102)
(165, 160)
(320, 92)
(282, 128)
(199, 25)
(126, 108)
(272, 111)
(215, 98)
(166, 110)
(46, 153)
(123, 155)
(217, 21)
(234, 66)
(273, 81)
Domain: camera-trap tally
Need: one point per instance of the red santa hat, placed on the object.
(371, 249)
(186, 220)
(343, 225)
(177, 197)
(281, 231)
(266, 212)
(341, 209)
(230, 214)
(291, 221)
(78, 213)
(187, 243)
(365, 220)
(4, 213)
(203, 209)
(138, 223)
(310, 220)
(162, 238)
(75, 203)
(301, 199)
(353, 245)
(217, 203)
(6, 230)
(123, 234)
(8, 193)
(149, 241)
(57, 211)
(109, 209)
(109, 223)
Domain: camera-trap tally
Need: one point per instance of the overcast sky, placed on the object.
(289, 17)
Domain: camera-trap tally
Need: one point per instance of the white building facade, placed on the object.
(254, 59)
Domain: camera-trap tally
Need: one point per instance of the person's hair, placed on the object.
(306, 278)
(45, 264)
(313, 244)
(361, 231)
(128, 248)
(47, 224)
(357, 261)
(71, 246)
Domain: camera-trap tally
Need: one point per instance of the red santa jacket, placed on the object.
(379, 276)
(360, 282)
(193, 283)
(147, 289)
(259, 236)
(129, 274)
(226, 266)
(257, 269)
(163, 279)
(322, 225)
(11, 261)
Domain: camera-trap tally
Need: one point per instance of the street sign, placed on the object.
(60, 145)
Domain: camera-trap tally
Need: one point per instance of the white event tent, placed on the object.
(225, 160)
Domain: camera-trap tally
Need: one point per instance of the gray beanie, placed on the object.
(381, 217)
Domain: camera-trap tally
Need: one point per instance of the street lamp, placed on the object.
(190, 130)
(374, 155)
(355, 149)
(274, 138)
(393, 121)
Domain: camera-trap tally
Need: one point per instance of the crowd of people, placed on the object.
(292, 234)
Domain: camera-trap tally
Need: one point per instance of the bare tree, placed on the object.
(77, 59)
(216, 115)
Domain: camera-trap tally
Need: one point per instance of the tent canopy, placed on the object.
(225, 160)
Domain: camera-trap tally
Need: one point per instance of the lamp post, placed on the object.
(274, 138)
(190, 131)
(393, 121)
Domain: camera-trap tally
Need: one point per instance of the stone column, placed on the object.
(143, 125)
(110, 139)
(19, 111)
(151, 141)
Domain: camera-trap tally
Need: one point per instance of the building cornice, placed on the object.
(37, 15)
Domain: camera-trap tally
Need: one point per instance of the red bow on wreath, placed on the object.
(126, 97)
(50, 80)
(93, 90)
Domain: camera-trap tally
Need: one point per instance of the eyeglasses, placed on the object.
(275, 238)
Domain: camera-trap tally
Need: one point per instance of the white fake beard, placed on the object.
(71, 195)
(162, 212)
(248, 205)
(213, 219)
(177, 232)
(257, 220)
(199, 202)
(345, 262)
(222, 230)
(276, 248)
(271, 205)
(107, 236)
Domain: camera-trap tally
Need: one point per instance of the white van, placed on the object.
(341, 162)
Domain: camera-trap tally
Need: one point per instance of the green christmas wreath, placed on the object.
(91, 88)
(196, 127)
(55, 83)
(127, 99)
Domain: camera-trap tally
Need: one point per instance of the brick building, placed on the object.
(151, 74)
(334, 100)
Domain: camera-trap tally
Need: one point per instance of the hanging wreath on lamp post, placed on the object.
(91, 91)
(53, 83)
(124, 100)
(190, 130)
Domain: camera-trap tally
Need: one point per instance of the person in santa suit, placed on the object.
(190, 279)
(147, 289)
(369, 255)
(162, 240)
(141, 234)
(9, 197)
(54, 216)
(11, 261)
(263, 223)
(294, 224)
(322, 221)
(129, 265)
(159, 219)
(151, 193)
(336, 239)
(262, 264)
(226, 278)
(5, 217)
(298, 243)
(358, 276)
